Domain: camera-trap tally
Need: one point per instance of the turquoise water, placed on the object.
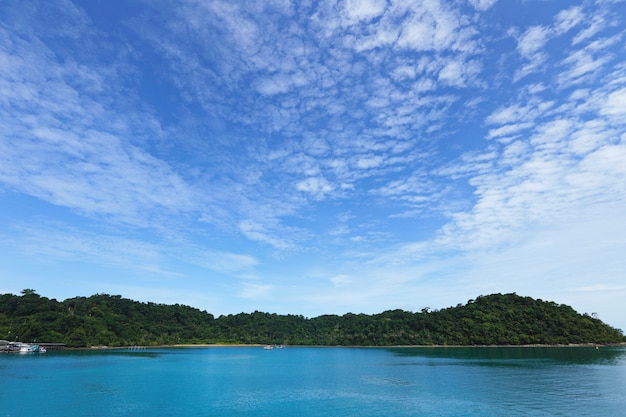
(249, 381)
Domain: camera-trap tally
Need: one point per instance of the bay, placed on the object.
(307, 381)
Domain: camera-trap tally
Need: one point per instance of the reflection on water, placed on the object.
(114, 352)
(587, 355)
(546, 381)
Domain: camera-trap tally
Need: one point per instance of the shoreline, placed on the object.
(242, 345)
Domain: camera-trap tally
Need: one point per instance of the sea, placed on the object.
(316, 381)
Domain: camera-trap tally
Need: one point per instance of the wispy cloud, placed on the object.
(394, 143)
(482, 5)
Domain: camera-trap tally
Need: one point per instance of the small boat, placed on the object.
(23, 347)
(268, 347)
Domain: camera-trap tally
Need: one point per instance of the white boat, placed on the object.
(272, 347)
(23, 347)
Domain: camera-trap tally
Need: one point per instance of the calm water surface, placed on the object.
(249, 381)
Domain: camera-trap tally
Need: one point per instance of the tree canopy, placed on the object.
(110, 320)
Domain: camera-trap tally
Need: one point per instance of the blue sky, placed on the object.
(315, 157)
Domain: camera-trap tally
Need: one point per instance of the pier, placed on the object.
(53, 346)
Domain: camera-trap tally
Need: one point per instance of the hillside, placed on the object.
(115, 321)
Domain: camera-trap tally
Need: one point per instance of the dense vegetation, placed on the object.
(115, 321)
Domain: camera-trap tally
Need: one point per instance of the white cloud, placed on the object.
(258, 232)
(590, 136)
(364, 9)
(595, 24)
(273, 86)
(341, 280)
(565, 20)
(517, 113)
(580, 65)
(58, 242)
(459, 74)
(615, 103)
(551, 177)
(482, 5)
(370, 161)
(255, 291)
(508, 129)
(281, 83)
(515, 153)
(94, 173)
(231, 263)
(429, 27)
(316, 186)
(532, 41)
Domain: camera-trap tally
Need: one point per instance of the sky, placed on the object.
(315, 157)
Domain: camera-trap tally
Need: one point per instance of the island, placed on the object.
(114, 321)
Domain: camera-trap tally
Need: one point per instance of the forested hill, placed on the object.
(115, 321)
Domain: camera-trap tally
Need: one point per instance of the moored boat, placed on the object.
(20, 347)
(23, 347)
